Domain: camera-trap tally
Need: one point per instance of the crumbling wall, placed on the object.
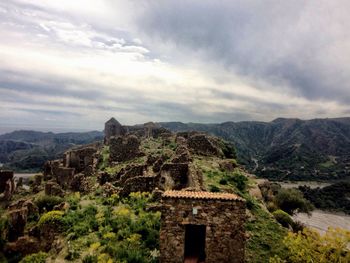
(174, 176)
(202, 144)
(7, 185)
(139, 184)
(124, 148)
(113, 128)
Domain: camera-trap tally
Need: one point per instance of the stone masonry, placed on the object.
(113, 128)
(124, 148)
(202, 226)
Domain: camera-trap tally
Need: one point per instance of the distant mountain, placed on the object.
(283, 149)
(28, 150)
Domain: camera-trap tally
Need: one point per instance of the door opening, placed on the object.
(195, 243)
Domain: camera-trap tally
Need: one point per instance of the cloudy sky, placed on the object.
(68, 65)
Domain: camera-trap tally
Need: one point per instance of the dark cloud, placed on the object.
(295, 43)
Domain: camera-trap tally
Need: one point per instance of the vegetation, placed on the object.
(52, 218)
(292, 201)
(47, 202)
(115, 228)
(334, 197)
(283, 218)
(265, 236)
(309, 246)
(35, 258)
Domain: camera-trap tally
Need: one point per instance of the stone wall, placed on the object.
(7, 185)
(224, 227)
(204, 145)
(80, 159)
(139, 184)
(174, 176)
(124, 148)
(113, 128)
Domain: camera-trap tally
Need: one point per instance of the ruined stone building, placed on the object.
(7, 184)
(202, 227)
(113, 128)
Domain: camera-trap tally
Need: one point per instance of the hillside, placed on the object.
(28, 150)
(283, 149)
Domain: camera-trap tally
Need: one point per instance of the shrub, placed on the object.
(239, 180)
(90, 259)
(35, 258)
(52, 218)
(214, 188)
(228, 149)
(309, 246)
(283, 218)
(223, 181)
(292, 201)
(47, 202)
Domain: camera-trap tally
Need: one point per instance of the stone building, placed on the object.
(113, 128)
(81, 159)
(202, 227)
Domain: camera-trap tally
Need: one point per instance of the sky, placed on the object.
(71, 65)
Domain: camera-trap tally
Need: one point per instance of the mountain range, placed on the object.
(28, 150)
(283, 149)
(292, 149)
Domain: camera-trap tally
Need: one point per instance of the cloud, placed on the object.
(302, 45)
(75, 64)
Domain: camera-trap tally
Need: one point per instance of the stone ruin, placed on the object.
(7, 185)
(70, 172)
(203, 144)
(124, 148)
(113, 128)
(81, 159)
(202, 227)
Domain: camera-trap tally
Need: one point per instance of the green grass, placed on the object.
(265, 236)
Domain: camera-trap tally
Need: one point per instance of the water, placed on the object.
(321, 220)
(311, 184)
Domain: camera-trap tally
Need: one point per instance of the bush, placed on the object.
(52, 218)
(47, 202)
(90, 259)
(214, 188)
(35, 258)
(283, 218)
(239, 180)
(309, 246)
(292, 201)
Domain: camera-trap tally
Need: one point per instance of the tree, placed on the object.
(292, 201)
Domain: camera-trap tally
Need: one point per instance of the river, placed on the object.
(319, 219)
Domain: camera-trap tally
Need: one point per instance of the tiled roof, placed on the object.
(200, 195)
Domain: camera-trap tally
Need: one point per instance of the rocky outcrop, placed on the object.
(113, 128)
(124, 148)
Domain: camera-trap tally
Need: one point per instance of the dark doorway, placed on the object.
(195, 243)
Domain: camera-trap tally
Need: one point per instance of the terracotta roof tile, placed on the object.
(200, 195)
